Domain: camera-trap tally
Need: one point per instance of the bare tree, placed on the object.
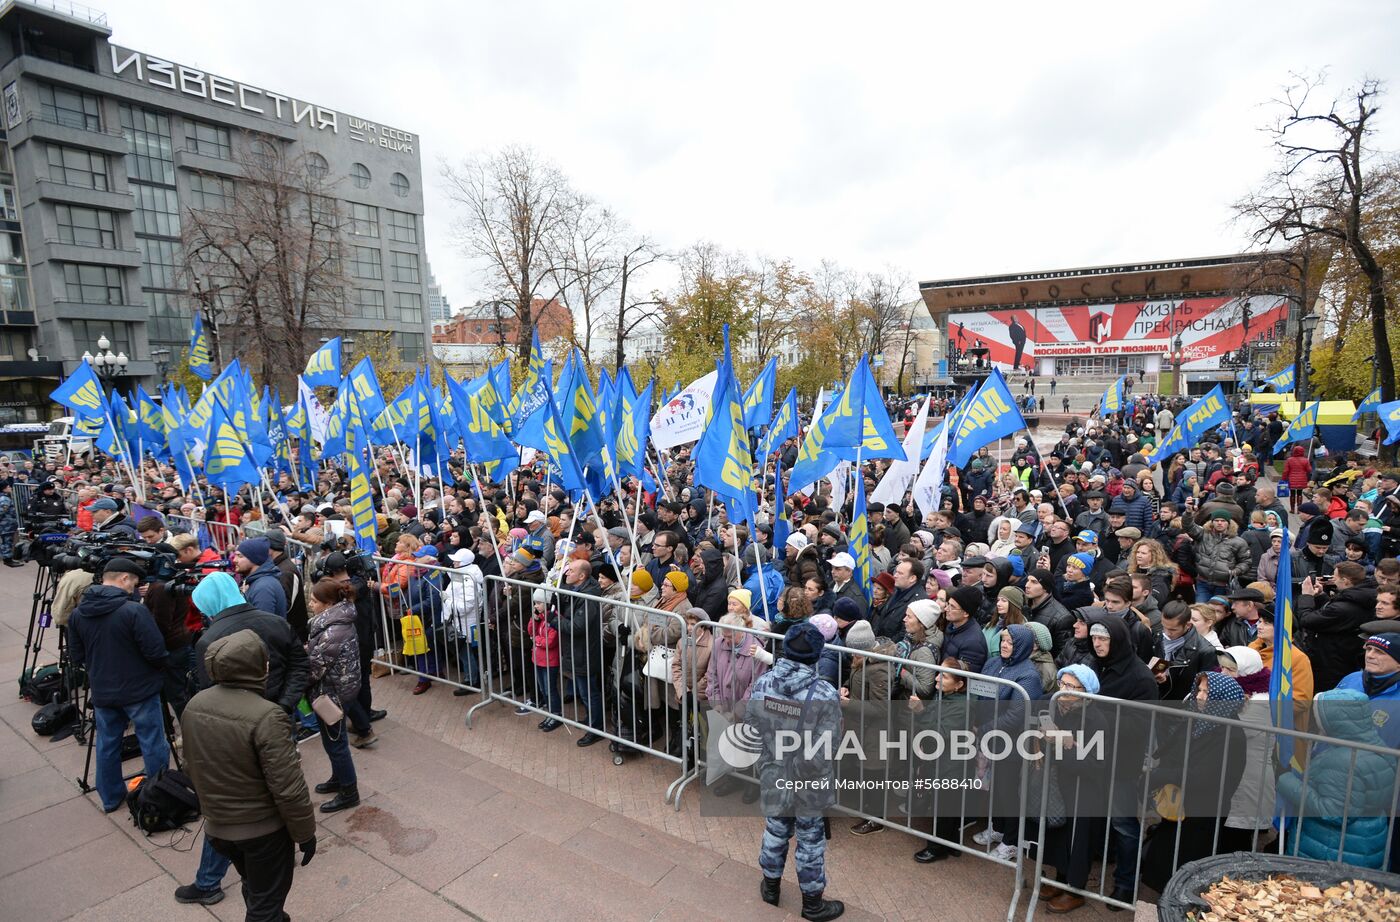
(1325, 188)
(264, 264)
(883, 299)
(587, 268)
(634, 311)
(516, 209)
(906, 339)
(778, 287)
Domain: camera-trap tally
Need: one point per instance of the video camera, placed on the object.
(44, 537)
(358, 564)
(92, 551)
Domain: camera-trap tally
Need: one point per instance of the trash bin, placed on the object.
(1182, 897)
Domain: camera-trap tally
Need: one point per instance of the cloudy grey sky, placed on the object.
(994, 138)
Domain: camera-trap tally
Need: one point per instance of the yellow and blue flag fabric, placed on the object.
(859, 539)
(1389, 414)
(723, 461)
(150, 423)
(81, 392)
(368, 395)
(834, 436)
(991, 414)
(580, 413)
(323, 367)
(201, 356)
(783, 426)
(1205, 414)
(482, 437)
(634, 411)
(877, 438)
(1302, 428)
(1369, 405)
(278, 437)
(557, 448)
(782, 525)
(1112, 399)
(226, 461)
(500, 382)
(298, 425)
(362, 520)
(758, 399)
(529, 397)
(1281, 381)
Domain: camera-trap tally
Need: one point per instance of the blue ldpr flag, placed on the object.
(557, 448)
(633, 431)
(783, 426)
(877, 438)
(1112, 399)
(1372, 401)
(482, 438)
(1302, 428)
(723, 462)
(1282, 381)
(361, 498)
(81, 392)
(859, 538)
(991, 414)
(1202, 416)
(526, 400)
(226, 461)
(323, 367)
(1390, 417)
(201, 356)
(368, 394)
(758, 399)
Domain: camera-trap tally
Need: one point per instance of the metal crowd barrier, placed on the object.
(22, 493)
(951, 796)
(429, 598)
(614, 672)
(221, 536)
(1244, 818)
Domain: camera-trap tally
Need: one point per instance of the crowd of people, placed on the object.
(1077, 567)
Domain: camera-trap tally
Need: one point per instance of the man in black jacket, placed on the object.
(1332, 619)
(289, 575)
(710, 591)
(1042, 608)
(581, 642)
(908, 586)
(1181, 653)
(107, 519)
(116, 640)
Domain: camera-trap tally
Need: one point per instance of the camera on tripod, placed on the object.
(43, 538)
(91, 552)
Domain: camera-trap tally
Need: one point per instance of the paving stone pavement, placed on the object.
(499, 822)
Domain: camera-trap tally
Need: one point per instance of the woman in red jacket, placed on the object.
(544, 635)
(1297, 471)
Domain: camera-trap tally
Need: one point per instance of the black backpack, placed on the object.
(167, 801)
(53, 717)
(40, 685)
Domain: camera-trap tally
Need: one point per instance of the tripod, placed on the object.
(87, 734)
(40, 619)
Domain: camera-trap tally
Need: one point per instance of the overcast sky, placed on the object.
(1000, 138)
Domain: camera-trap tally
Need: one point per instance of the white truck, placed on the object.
(59, 443)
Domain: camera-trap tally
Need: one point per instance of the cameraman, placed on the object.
(288, 673)
(115, 639)
(360, 709)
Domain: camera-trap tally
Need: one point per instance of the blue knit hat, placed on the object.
(255, 549)
(803, 643)
(1084, 674)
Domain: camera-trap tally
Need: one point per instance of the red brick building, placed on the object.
(490, 323)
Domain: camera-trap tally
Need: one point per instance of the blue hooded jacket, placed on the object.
(263, 590)
(1327, 809)
(1018, 669)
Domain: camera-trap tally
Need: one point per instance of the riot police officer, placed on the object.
(796, 789)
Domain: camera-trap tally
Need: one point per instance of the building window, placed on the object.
(406, 268)
(86, 227)
(208, 140)
(14, 345)
(150, 157)
(70, 107)
(169, 322)
(399, 183)
(157, 211)
(93, 284)
(265, 154)
(210, 193)
(410, 346)
(160, 263)
(80, 168)
(408, 308)
(366, 263)
(403, 226)
(86, 333)
(368, 304)
(359, 174)
(317, 167)
(364, 220)
(14, 288)
(9, 206)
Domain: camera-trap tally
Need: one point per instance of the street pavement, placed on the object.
(499, 822)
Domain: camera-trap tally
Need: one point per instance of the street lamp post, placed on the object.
(1303, 384)
(1175, 356)
(653, 359)
(161, 357)
(109, 367)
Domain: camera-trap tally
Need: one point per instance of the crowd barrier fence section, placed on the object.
(1178, 810)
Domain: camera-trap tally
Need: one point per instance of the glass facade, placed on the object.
(150, 168)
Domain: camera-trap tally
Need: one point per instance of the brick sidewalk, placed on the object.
(498, 822)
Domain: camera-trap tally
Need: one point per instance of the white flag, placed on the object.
(316, 414)
(901, 474)
(838, 480)
(928, 489)
(682, 419)
(816, 415)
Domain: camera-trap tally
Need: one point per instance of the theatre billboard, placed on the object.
(1210, 329)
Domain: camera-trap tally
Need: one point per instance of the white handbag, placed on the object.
(659, 663)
